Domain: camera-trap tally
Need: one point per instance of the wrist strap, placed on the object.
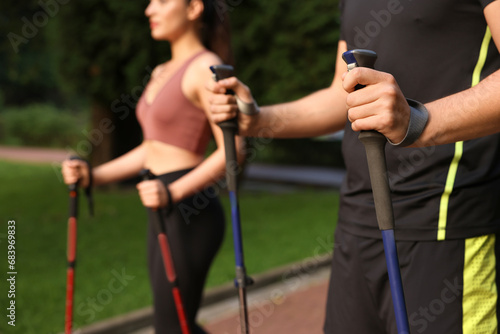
(247, 108)
(170, 203)
(88, 190)
(418, 120)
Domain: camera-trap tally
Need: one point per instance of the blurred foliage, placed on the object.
(36, 124)
(285, 49)
(72, 53)
(28, 72)
(105, 46)
(304, 151)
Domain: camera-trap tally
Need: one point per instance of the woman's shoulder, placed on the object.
(199, 69)
(197, 74)
(205, 60)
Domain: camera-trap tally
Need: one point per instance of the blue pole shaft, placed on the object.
(237, 238)
(395, 281)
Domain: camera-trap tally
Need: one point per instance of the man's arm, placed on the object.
(319, 113)
(472, 113)
(381, 106)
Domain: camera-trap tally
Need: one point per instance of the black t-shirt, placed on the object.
(434, 48)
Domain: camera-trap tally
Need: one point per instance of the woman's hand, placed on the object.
(76, 171)
(153, 194)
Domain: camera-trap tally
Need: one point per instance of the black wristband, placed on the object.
(418, 120)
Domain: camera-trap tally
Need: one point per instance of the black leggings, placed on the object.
(195, 229)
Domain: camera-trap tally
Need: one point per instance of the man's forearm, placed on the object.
(316, 114)
(470, 114)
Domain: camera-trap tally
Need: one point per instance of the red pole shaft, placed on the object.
(70, 281)
(172, 278)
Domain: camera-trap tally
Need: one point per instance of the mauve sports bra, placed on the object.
(172, 119)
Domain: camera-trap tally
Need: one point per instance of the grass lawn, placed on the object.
(111, 276)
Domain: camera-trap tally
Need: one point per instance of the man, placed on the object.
(444, 172)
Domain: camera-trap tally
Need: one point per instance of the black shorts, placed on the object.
(450, 286)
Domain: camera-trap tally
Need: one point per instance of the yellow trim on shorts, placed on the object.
(459, 146)
(479, 303)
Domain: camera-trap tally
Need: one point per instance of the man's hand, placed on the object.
(380, 106)
(153, 194)
(224, 107)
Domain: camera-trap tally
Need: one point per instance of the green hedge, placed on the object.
(40, 125)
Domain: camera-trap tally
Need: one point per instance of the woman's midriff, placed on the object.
(163, 158)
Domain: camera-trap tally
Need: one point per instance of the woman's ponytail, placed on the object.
(215, 31)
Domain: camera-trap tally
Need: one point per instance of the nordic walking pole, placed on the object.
(71, 255)
(166, 255)
(71, 246)
(374, 143)
(229, 130)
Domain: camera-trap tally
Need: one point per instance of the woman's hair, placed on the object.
(215, 31)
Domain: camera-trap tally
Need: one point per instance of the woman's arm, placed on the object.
(124, 167)
(121, 168)
(212, 168)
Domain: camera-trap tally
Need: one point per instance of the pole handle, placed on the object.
(220, 72)
(146, 175)
(229, 130)
(374, 143)
(88, 190)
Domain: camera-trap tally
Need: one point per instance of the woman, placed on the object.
(173, 115)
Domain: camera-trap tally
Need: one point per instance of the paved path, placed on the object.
(295, 306)
(32, 154)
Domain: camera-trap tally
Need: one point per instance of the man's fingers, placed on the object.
(356, 98)
(220, 99)
(223, 112)
(232, 83)
(364, 76)
(215, 87)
